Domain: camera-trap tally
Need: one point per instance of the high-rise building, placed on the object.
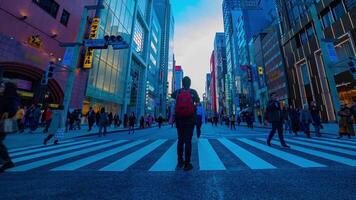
(317, 40)
(166, 20)
(213, 74)
(221, 70)
(30, 34)
(241, 23)
(152, 82)
(207, 100)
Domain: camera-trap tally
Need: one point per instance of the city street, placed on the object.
(227, 165)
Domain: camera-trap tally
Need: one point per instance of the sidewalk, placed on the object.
(329, 128)
(26, 139)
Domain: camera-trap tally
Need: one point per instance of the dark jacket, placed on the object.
(273, 112)
(9, 104)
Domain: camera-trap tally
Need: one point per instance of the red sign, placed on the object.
(178, 68)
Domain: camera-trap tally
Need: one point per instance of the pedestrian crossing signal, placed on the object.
(260, 70)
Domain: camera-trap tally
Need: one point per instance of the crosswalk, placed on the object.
(208, 155)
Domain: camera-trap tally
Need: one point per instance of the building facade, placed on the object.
(32, 41)
(221, 70)
(177, 77)
(315, 74)
(213, 82)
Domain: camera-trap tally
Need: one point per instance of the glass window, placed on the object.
(305, 74)
(303, 37)
(139, 38)
(65, 17)
(310, 31)
(327, 19)
(338, 10)
(50, 6)
(142, 5)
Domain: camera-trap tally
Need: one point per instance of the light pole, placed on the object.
(74, 60)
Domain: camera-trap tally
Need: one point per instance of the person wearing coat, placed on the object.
(345, 122)
(314, 111)
(57, 123)
(305, 120)
(103, 122)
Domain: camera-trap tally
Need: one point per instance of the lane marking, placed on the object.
(168, 160)
(125, 162)
(47, 161)
(251, 160)
(297, 160)
(94, 158)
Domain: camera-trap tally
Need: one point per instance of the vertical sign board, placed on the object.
(88, 60)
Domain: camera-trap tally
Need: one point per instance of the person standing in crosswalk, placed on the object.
(274, 116)
(186, 99)
(55, 125)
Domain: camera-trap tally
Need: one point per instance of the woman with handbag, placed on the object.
(56, 126)
(9, 102)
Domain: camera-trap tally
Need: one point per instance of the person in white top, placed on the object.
(200, 118)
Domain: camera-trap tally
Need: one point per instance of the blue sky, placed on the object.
(197, 21)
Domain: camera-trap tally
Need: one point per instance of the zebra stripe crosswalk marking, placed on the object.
(339, 140)
(59, 150)
(86, 161)
(251, 160)
(329, 143)
(34, 146)
(127, 161)
(297, 160)
(47, 148)
(319, 146)
(47, 161)
(320, 154)
(208, 159)
(168, 160)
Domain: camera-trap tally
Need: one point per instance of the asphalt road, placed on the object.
(227, 165)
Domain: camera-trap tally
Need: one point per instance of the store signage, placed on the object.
(260, 71)
(88, 59)
(35, 41)
(332, 52)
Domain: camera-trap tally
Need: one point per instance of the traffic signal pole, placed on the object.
(73, 65)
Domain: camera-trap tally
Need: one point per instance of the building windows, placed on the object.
(50, 6)
(310, 31)
(327, 19)
(65, 17)
(338, 10)
(139, 38)
(303, 37)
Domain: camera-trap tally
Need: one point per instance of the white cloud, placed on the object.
(194, 40)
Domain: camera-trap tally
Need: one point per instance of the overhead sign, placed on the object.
(120, 45)
(95, 43)
(88, 59)
(68, 56)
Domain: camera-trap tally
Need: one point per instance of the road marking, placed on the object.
(48, 148)
(339, 140)
(86, 161)
(301, 162)
(330, 143)
(320, 154)
(319, 146)
(127, 161)
(245, 156)
(35, 146)
(32, 156)
(47, 161)
(208, 159)
(168, 161)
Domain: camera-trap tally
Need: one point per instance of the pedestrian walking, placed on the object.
(274, 116)
(9, 103)
(186, 99)
(47, 118)
(126, 119)
(91, 118)
(142, 122)
(306, 120)
(111, 119)
(353, 110)
(103, 122)
(132, 122)
(314, 111)
(287, 121)
(160, 121)
(199, 118)
(238, 120)
(232, 122)
(20, 115)
(56, 125)
(345, 122)
(294, 116)
(216, 118)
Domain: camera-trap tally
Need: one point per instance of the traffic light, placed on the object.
(44, 80)
(50, 71)
(48, 74)
(117, 42)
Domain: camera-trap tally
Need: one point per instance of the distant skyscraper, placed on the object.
(213, 74)
(177, 77)
(221, 70)
(166, 20)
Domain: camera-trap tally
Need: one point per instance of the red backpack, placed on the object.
(184, 104)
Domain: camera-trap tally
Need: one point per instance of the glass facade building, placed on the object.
(105, 88)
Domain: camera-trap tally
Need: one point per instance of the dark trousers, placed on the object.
(50, 136)
(276, 126)
(4, 155)
(90, 123)
(185, 133)
(48, 123)
(159, 124)
(198, 125)
(232, 125)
